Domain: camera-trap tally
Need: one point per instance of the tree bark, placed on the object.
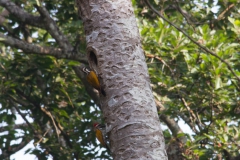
(115, 54)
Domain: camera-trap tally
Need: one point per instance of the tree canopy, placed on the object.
(192, 50)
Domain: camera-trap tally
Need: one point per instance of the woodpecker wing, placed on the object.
(101, 135)
(93, 80)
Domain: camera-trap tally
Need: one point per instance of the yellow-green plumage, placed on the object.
(101, 134)
(93, 80)
(100, 137)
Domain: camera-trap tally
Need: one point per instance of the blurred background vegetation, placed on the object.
(189, 83)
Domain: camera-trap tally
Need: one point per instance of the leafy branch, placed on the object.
(194, 41)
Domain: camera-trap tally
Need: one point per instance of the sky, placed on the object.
(20, 155)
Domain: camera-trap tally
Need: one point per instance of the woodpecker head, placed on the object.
(95, 124)
(85, 70)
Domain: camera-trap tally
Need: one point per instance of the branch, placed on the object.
(192, 116)
(16, 126)
(68, 140)
(53, 120)
(161, 60)
(221, 16)
(59, 129)
(187, 120)
(53, 29)
(171, 123)
(184, 13)
(30, 48)
(84, 10)
(21, 15)
(6, 152)
(23, 116)
(40, 137)
(195, 42)
(44, 21)
(3, 16)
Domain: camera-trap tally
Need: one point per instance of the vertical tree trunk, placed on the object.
(115, 53)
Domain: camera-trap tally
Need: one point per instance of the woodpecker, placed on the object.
(93, 80)
(100, 131)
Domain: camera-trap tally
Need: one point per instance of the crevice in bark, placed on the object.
(94, 65)
(93, 58)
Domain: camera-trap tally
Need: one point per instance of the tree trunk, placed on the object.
(115, 54)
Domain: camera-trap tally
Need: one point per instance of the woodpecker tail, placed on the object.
(108, 148)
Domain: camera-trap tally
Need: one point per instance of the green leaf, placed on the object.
(218, 82)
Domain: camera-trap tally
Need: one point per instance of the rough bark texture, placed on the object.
(115, 53)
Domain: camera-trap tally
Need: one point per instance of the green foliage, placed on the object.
(31, 82)
(180, 72)
(183, 71)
